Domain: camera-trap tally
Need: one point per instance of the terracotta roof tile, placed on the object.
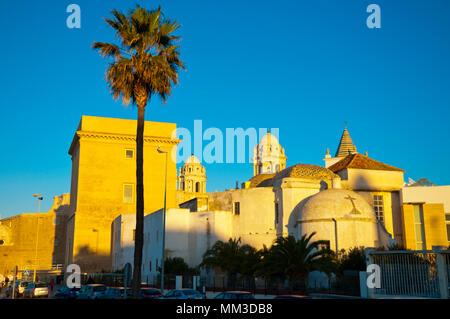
(362, 162)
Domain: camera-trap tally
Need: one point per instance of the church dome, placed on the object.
(269, 139)
(192, 160)
(340, 217)
(306, 171)
(336, 203)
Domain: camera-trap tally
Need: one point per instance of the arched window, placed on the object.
(197, 187)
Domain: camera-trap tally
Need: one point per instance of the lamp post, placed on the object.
(335, 235)
(39, 198)
(163, 221)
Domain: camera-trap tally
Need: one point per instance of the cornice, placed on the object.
(126, 137)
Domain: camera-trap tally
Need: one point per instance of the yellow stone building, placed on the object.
(34, 240)
(103, 182)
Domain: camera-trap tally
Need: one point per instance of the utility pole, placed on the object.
(14, 283)
(39, 197)
(164, 222)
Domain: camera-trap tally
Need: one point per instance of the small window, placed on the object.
(129, 154)
(418, 227)
(134, 234)
(237, 208)
(378, 206)
(56, 242)
(128, 193)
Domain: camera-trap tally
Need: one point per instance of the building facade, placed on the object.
(103, 184)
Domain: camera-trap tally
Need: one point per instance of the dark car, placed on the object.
(183, 294)
(67, 293)
(149, 293)
(291, 297)
(235, 295)
(116, 293)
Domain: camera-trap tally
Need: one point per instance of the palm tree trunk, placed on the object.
(139, 234)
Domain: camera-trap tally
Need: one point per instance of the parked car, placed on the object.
(67, 293)
(291, 297)
(150, 293)
(36, 290)
(235, 295)
(92, 291)
(116, 293)
(19, 287)
(183, 294)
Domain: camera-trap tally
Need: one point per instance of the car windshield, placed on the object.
(151, 292)
(41, 285)
(24, 284)
(99, 288)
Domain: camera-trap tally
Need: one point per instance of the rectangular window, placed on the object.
(378, 206)
(128, 193)
(276, 213)
(134, 234)
(129, 154)
(418, 227)
(237, 208)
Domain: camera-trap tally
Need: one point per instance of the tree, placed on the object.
(232, 258)
(146, 62)
(177, 266)
(354, 259)
(293, 259)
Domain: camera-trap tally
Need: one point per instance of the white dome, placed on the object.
(192, 160)
(336, 203)
(269, 138)
(341, 213)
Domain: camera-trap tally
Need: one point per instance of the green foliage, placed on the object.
(354, 259)
(177, 266)
(146, 61)
(231, 257)
(294, 259)
(287, 258)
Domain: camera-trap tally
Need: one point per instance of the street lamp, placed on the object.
(164, 221)
(39, 198)
(335, 235)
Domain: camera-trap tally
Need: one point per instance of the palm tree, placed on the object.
(146, 62)
(232, 258)
(294, 259)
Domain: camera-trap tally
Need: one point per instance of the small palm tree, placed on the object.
(294, 259)
(232, 258)
(146, 62)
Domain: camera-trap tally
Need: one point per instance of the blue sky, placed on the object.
(304, 67)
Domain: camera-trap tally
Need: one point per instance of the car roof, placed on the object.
(237, 292)
(94, 285)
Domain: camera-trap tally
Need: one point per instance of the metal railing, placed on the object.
(421, 273)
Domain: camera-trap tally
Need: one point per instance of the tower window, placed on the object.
(197, 187)
(378, 206)
(237, 208)
(128, 193)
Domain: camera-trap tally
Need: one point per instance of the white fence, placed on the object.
(405, 273)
